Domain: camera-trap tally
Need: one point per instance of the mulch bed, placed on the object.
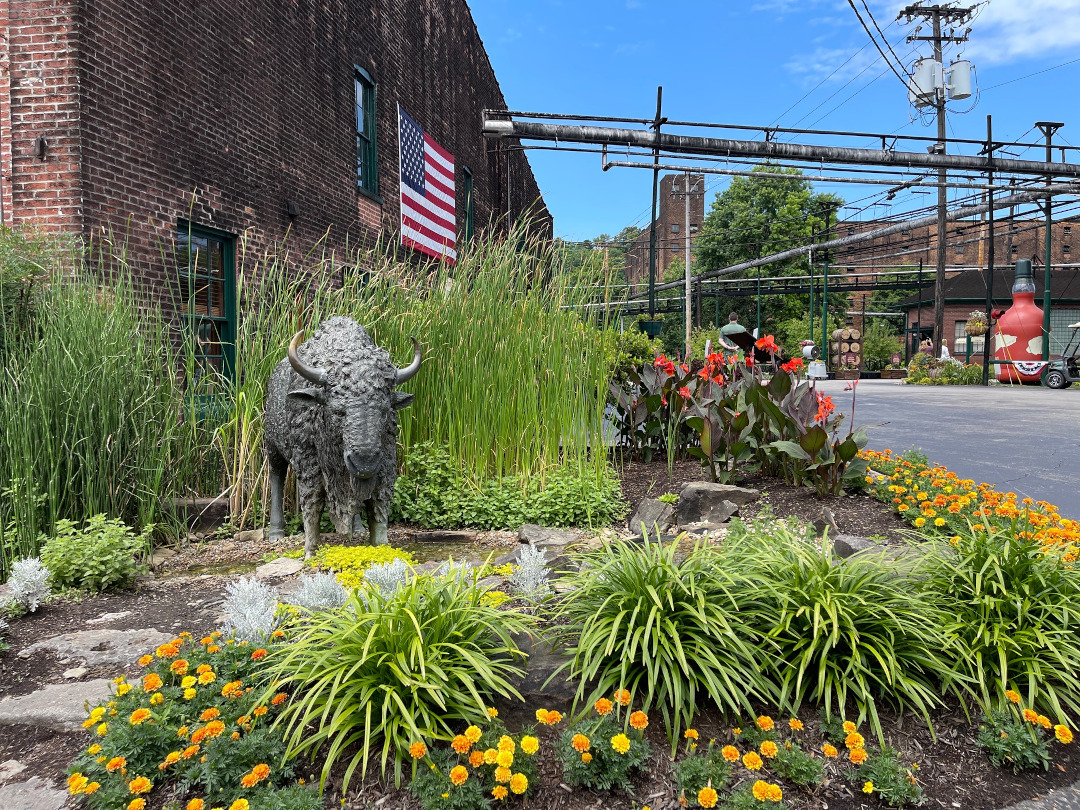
(953, 771)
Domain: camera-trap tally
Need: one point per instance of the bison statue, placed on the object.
(331, 415)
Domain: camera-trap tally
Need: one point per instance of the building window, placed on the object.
(206, 260)
(959, 249)
(367, 165)
(1068, 230)
(469, 221)
(1014, 250)
(1066, 250)
(675, 227)
(960, 337)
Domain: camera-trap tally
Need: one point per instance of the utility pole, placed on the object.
(652, 225)
(989, 251)
(686, 268)
(937, 14)
(1048, 128)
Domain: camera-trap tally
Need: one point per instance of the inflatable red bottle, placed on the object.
(1019, 334)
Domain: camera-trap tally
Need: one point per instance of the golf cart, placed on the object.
(1063, 373)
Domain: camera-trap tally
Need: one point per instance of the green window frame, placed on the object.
(367, 158)
(206, 259)
(469, 222)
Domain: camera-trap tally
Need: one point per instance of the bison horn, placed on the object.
(407, 373)
(310, 373)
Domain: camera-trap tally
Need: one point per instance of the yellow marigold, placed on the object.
(418, 750)
(195, 804)
(157, 699)
(203, 668)
(919, 522)
(828, 750)
(849, 727)
(621, 743)
(519, 783)
(207, 677)
(854, 740)
(939, 522)
(504, 759)
(473, 734)
(140, 784)
(499, 792)
(189, 694)
(502, 775)
(188, 682)
(172, 757)
(460, 743)
(506, 743)
(530, 745)
(213, 648)
(151, 682)
(239, 804)
(490, 755)
(476, 758)
(146, 660)
(765, 723)
(707, 796)
(278, 699)
(234, 736)
(622, 697)
(795, 724)
(91, 787)
(542, 716)
(690, 734)
(730, 753)
(639, 720)
(603, 706)
(138, 716)
(580, 743)
(768, 749)
(210, 714)
(1063, 734)
(94, 749)
(586, 757)
(761, 790)
(1030, 716)
(137, 804)
(775, 794)
(868, 787)
(77, 783)
(751, 761)
(857, 756)
(492, 712)
(1043, 721)
(123, 689)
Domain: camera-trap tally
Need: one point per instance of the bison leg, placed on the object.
(312, 502)
(277, 496)
(377, 515)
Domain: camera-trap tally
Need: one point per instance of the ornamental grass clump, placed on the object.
(387, 670)
(860, 629)
(663, 626)
(189, 728)
(1013, 607)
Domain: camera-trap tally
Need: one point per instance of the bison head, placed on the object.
(358, 400)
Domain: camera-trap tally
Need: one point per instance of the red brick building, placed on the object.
(242, 123)
(670, 227)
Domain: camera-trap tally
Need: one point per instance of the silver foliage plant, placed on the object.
(28, 585)
(250, 610)
(387, 577)
(320, 591)
(530, 578)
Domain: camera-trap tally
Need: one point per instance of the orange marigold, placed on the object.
(639, 720)
(502, 775)
(476, 758)
(849, 727)
(795, 724)
(214, 729)
(730, 753)
(829, 750)
(765, 723)
(140, 784)
(854, 740)
(707, 796)
(857, 756)
(461, 744)
(418, 750)
(768, 749)
(258, 654)
(622, 697)
(137, 804)
(580, 743)
(603, 706)
(210, 714)
(278, 699)
(151, 682)
(146, 660)
(179, 666)
(499, 792)
(195, 804)
(752, 762)
(138, 716)
(1030, 716)
(190, 751)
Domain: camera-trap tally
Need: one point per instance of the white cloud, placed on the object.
(837, 63)
(1011, 30)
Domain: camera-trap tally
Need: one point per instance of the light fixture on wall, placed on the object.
(292, 209)
(41, 147)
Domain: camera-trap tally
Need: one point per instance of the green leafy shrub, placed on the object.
(884, 774)
(754, 797)
(699, 769)
(669, 497)
(1013, 615)
(434, 492)
(796, 765)
(662, 626)
(103, 554)
(628, 350)
(859, 629)
(597, 753)
(387, 670)
(189, 723)
(1010, 742)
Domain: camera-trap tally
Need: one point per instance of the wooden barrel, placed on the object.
(855, 346)
(856, 334)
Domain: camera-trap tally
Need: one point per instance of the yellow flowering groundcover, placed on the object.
(207, 735)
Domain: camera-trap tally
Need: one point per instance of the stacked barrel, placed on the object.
(846, 348)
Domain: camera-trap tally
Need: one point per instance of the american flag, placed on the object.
(428, 221)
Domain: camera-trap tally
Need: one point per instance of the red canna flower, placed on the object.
(768, 343)
(684, 392)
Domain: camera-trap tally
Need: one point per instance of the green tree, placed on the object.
(772, 211)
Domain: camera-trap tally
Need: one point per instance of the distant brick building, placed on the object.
(670, 225)
(242, 122)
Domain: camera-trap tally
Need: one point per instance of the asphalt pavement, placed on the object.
(1024, 439)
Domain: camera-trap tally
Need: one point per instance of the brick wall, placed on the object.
(222, 111)
(671, 211)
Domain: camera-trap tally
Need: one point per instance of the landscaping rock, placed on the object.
(75, 674)
(825, 521)
(441, 536)
(57, 706)
(10, 769)
(663, 538)
(652, 516)
(703, 502)
(105, 618)
(102, 646)
(160, 555)
(279, 569)
(33, 794)
(201, 515)
(250, 536)
(544, 537)
(543, 660)
(703, 529)
(845, 545)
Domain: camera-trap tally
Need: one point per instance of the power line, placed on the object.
(902, 79)
(1028, 76)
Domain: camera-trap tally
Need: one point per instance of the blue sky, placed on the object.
(748, 63)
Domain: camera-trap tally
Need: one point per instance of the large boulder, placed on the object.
(846, 545)
(704, 502)
(544, 537)
(652, 516)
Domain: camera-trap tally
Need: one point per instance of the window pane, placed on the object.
(360, 149)
(359, 107)
(216, 254)
(199, 248)
(200, 303)
(217, 298)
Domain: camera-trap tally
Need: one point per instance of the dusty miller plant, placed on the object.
(387, 577)
(250, 610)
(28, 584)
(320, 591)
(460, 571)
(531, 577)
